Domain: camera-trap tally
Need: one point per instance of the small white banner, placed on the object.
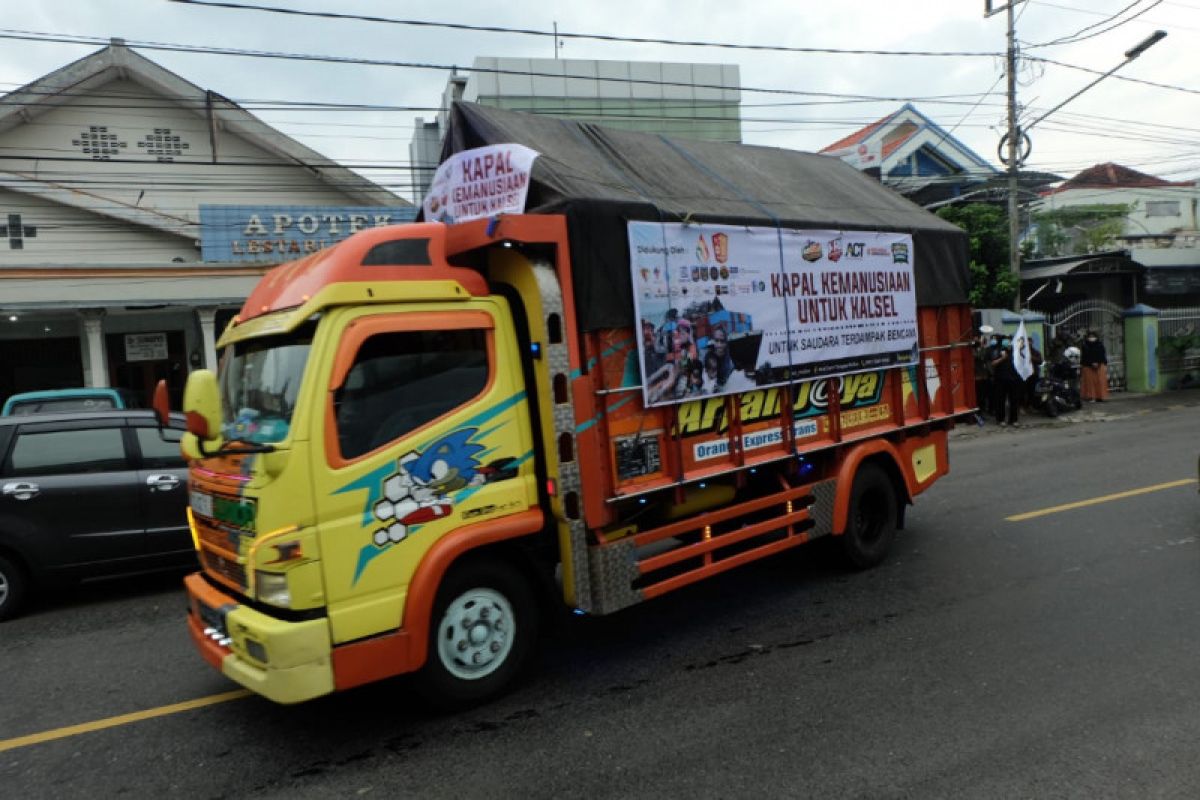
(481, 182)
(145, 347)
(863, 155)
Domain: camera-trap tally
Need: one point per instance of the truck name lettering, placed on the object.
(811, 398)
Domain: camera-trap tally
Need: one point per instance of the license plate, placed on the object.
(201, 503)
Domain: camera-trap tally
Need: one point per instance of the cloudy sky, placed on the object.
(1150, 128)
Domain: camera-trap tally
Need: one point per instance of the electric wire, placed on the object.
(559, 34)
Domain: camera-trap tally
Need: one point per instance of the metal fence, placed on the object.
(1101, 316)
(1174, 324)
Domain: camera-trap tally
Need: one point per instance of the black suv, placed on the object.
(89, 495)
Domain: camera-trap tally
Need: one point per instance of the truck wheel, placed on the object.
(483, 630)
(871, 526)
(12, 588)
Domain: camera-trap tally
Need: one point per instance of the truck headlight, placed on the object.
(272, 587)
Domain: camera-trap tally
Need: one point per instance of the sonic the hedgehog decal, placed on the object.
(419, 490)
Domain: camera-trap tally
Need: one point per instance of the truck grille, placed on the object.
(223, 567)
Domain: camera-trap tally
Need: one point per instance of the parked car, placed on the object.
(68, 400)
(89, 495)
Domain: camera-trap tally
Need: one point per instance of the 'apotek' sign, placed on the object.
(281, 233)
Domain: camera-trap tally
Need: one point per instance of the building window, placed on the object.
(98, 143)
(1162, 208)
(163, 144)
(17, 232)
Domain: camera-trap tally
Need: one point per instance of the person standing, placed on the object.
(1010, 386)
(1036, 360)
(1093, 379)
(983, 369)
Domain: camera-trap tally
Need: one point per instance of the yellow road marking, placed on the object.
(1096, 500)
(123, 719)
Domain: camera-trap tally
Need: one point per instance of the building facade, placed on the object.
(692, 101)
(137, 210)
(1108, 208)
(916, 157)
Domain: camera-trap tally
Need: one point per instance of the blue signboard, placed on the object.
(270, 234)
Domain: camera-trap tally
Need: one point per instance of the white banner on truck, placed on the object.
(722, 309)
(481, 182)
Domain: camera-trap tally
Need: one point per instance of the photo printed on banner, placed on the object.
(723, 309)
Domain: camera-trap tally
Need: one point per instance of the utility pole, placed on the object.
(1011, 142)
(1014, 227)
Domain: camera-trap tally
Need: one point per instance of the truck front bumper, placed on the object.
(284, 661)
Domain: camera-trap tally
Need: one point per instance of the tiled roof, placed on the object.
(1112, 176)
(857, 136)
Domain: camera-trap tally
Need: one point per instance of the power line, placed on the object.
(41, 36)
(1078, 35)
(569, 35)
(1124, 78)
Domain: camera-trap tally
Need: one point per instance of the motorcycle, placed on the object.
(1058, 391)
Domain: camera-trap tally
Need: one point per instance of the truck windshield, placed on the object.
(260, 379)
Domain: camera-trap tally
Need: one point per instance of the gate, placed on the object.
(1094, 315)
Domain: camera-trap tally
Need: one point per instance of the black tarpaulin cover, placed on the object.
(601, 178)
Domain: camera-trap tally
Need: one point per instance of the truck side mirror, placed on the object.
(202, 407)
(161, 404)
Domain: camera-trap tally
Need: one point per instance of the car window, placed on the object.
(63, 404)
(401, 380)
(157, 453)
(67, 452)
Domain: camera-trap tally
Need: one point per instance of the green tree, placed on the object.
(992, 283)
(1079, 229)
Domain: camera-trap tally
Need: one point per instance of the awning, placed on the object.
(1096, 264)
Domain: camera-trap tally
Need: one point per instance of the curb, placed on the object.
(1119, 406)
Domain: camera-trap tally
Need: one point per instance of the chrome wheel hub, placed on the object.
(476, 634)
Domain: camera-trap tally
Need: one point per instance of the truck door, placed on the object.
(426, 429)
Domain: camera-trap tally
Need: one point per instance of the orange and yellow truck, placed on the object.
(422, 440)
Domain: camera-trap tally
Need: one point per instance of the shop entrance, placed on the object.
(28, 365)
(138, 361)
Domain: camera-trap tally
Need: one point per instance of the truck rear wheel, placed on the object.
(481, 636)
(871, 525)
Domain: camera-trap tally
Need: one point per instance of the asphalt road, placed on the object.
(1051, 657)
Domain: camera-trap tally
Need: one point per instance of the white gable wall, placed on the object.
(66, 235)
(128, 122)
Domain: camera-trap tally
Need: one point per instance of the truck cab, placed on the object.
(371, 418)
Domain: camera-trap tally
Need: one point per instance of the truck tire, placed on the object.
(871, 523)
(482, 633)
(12, 588)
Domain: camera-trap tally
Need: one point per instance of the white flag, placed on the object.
(1022, 355)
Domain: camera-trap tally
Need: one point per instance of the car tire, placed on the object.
(871, 522)
(481, 636)
(13, 584)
